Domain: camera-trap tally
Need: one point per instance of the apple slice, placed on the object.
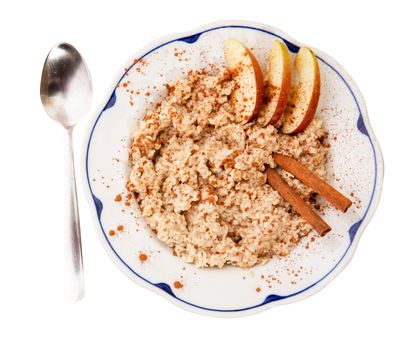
(279, 84)
(248, 93)
(303, 105)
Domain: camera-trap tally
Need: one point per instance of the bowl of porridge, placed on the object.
(232, 169)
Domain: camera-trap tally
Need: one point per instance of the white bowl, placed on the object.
(355, 163)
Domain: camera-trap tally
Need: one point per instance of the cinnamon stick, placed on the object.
(297, 202)
(310, 179)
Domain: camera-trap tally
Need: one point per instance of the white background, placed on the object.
(370, 305)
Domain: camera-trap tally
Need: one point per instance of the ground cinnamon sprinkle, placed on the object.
(143, 257)
(120, 227)
(118, 198)
(177, 285)
(111, 232)
(258, 289)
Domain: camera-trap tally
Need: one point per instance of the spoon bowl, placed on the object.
(65, 89)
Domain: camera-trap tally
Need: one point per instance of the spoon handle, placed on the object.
(74, 273)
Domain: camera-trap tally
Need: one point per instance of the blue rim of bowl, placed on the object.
(272, 297)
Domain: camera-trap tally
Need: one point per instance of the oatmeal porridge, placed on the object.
(198, 175)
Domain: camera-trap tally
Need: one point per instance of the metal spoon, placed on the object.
(66, 93)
